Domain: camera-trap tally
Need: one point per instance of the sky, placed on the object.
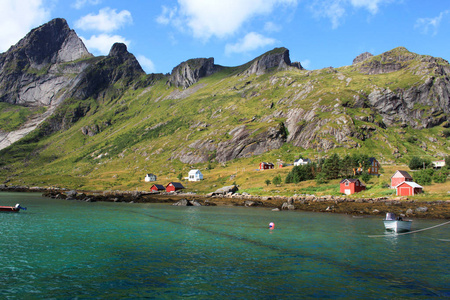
(164, 33)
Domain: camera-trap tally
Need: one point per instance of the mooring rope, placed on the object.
(409, 232)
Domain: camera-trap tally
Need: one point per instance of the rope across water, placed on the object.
(409, 232)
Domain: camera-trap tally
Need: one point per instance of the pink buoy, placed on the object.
(271, 225)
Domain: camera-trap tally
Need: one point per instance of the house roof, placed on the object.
(403, 173)
(411, 184)
(352, 180)
(176, 185)
(150, 174)
(194, 171)
(159, 186)
(371, 159)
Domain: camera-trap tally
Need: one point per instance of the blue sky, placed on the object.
(164, 33)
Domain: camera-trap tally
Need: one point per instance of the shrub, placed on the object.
(277, 180)
(440, 177)
(366, 177)
(417, 163)
(423, 177)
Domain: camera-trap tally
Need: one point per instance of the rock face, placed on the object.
(189, 72)
(33, 72)
(277, 59)
(243, 143)
(362, 57)
(119, 65)
(42, 69)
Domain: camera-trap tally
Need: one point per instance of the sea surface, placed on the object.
(60, 249)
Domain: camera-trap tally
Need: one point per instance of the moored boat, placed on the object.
(15, 208)
(396, 224)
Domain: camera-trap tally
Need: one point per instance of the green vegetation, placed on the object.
(145, 126)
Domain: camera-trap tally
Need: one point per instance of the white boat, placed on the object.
(396, 224)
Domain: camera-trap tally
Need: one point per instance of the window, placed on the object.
(346, 183)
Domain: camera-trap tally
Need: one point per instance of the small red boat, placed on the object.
(15, 208)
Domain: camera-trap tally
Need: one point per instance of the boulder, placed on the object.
(226, 190)
(422, 209)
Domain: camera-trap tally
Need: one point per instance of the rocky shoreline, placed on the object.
(325, 204)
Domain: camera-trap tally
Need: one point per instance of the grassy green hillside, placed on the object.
(145, 128)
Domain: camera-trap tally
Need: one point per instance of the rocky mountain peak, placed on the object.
(362, 57)
(387, 62)
(189, 72)
(119, 53)
(277, 59)
(53, 42)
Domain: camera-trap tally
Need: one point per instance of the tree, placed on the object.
(415, 163)
(423, 177)
(366, 177)
(347, 166)
(277, 180)
(331, 167)
(180, 176)
(268, 182)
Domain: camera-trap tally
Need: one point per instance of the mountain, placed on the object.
(102, 119)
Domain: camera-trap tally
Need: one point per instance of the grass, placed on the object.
(145, 128)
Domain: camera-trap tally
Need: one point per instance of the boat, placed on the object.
(15, 208)
(396, 224)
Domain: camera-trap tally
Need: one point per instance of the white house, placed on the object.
(438, 164)
(302, 161)
(150, 177)
(195, 175)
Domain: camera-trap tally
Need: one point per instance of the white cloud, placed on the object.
(205, 18)
(433, 24)
(335, 10)
(82, 3)
(167, 15)
(146, 63)
(272, 27)
(250, 42)
(370, 5)
(107, 20)
(306, 63)
(17, 18)
(101, 44)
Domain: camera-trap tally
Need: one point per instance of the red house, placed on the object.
(266, 166)
(174, 186)
(399, 177)
(351, 186)
(157, 188)
(408, 188)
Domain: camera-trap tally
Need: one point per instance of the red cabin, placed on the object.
(266, 166)
(174, 186)
(351, 186)
(408, 188)
(399, 177)
(157, 188)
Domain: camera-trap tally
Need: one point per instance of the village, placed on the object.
(401, 181)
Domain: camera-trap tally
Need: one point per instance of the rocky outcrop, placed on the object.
(119, 65)
(387, 62)
(189, 72)
(35, 71)
(42, 69)
(243, 143)
(362, 57)
(275, 60)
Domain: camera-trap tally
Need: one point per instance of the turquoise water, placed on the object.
(60, 249)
